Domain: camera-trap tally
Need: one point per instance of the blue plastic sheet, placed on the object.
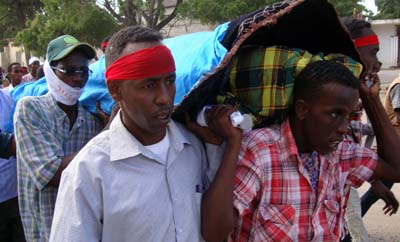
(195, 55)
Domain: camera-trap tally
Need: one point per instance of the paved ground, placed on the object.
(383, 227)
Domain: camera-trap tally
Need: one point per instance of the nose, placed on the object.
(163, 95)
(343, 127)
(79, 80)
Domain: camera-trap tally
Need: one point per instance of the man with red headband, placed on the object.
(367, 44)
(104, 44)
(143, 179)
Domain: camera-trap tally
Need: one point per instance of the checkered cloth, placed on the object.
(263, 78)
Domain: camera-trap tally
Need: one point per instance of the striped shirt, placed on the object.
(274, 196)
(43, 139)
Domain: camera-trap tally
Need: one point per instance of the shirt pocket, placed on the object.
(276, 222)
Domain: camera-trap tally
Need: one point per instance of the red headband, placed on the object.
(104, 44)
(142, 64)
(367, 40)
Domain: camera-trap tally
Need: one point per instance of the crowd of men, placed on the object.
(138, 175)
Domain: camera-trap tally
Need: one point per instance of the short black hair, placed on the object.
(309, 82)
(133, 34)
(355, 26)
(10, 66)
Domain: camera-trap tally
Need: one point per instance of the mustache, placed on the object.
(165, 108)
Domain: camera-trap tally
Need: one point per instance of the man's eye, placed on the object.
(150, 85)
(171, 81)
(334, 115)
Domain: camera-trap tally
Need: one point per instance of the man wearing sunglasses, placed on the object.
(50, 130)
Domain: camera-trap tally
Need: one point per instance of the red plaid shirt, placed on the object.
(273, 194)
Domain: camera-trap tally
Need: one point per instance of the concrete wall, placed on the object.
(11, 54)
(387, 32)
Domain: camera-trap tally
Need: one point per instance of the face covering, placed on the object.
(62, 92)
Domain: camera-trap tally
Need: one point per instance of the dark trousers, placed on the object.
(11, 229)
(369, 198)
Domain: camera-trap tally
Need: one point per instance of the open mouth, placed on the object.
(164, 115)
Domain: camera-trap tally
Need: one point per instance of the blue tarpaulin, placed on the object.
(194, 54)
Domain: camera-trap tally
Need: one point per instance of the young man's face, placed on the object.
(146, 104)
(15, 75)
(369, 53)
(76, 61)
(34, 66)
(327, 117)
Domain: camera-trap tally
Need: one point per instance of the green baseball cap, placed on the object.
(63, 45)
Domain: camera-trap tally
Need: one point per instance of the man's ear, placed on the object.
(114, 88)
(301, 109)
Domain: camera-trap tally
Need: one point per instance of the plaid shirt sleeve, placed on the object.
(360, 162)
(37, 149)
(247, 188)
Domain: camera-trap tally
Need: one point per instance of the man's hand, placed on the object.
(218, 119)
(219, 126)
(204, 133)
(105, 118)
(391, 203)
(102, 115)
(370, 85)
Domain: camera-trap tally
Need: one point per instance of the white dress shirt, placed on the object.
(116, 190)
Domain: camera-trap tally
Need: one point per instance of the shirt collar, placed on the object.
(288, 142)
(124, 145)
(61, 115)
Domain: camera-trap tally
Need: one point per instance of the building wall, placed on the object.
(12, 54)
(388, 48)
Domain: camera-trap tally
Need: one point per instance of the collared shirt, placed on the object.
(43, 135)
(395, 96)
(8, 167)
(116, 190)
(27, 78)
(273, 193)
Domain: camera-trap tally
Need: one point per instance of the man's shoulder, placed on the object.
(32, 103)
(33, 100)
(187, 134)
(394, 84)
(267, 135)
(94, 154)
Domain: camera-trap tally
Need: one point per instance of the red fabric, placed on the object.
(273, 195)
(104, 44)
(142, 64)
(367, 40)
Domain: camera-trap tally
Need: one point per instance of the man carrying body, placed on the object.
(142, 180)
(292, 180)
(49, 130)
(34, 64)
(367, 44)
(392, 106)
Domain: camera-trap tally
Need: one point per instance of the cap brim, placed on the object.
(84, 47)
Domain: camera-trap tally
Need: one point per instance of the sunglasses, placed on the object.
(73, 71)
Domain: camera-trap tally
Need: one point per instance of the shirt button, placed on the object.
(180, 231)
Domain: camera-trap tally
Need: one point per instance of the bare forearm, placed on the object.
(387, 139)
(217, 216)
(55, 181)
